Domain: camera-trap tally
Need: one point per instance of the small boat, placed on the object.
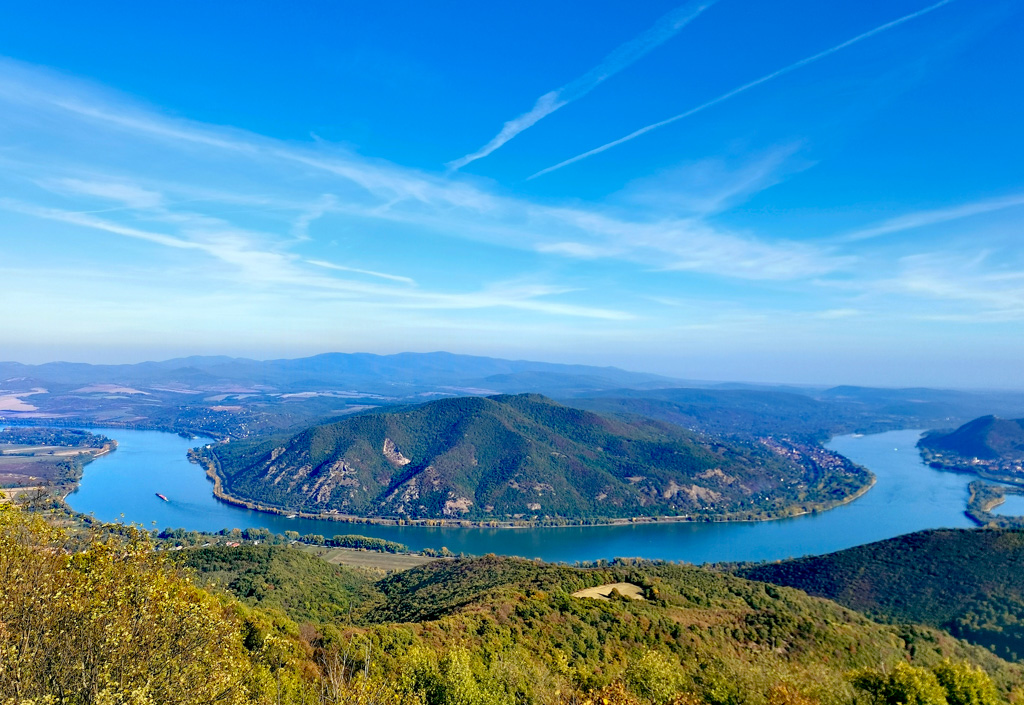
(291, 516)
(162, 497)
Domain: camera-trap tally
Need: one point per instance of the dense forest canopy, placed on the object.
(525, 456)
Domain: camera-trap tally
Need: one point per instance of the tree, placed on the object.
(107, 622)
(903, 685)
(965, 684)
(654, 677)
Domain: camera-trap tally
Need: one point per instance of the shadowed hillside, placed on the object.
(970, 582)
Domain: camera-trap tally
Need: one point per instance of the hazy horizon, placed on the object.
(767, 380)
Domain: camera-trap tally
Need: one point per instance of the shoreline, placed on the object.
(210, 465)
(985, 497)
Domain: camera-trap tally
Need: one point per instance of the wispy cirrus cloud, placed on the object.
(270, 268)
(712, 185)
(961, 285)
(316, 234)
(742, 89)
(373, 191)
(936, 216)
(625, 55)
(356, 270)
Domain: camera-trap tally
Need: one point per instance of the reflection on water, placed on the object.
(908, 496)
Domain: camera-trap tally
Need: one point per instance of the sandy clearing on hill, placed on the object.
(601, 592)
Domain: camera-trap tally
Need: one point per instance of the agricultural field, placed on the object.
(43, 456)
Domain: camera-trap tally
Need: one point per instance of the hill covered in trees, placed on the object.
(525, 456)
(282, 578)
(988, 446)
(970, 582)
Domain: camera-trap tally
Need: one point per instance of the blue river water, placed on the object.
(908, 496)
(1012, 506)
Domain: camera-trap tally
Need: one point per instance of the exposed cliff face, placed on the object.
(510, 457)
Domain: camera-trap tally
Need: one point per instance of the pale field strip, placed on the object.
(31, 451)
(14, 402)
(355, 558)
(603, 592)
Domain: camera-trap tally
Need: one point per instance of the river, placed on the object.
(908, 496)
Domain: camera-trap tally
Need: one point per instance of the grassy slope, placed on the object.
(968, 581)
(500, 455)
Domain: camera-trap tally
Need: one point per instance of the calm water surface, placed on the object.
(908, 496)
(1013, 506)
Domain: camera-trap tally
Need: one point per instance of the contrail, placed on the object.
(662, 30)
(745, 87)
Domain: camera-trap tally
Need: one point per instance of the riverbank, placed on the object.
(907, 496)
(211, 465)
(51, 460)
(985, 497)
(994, 471)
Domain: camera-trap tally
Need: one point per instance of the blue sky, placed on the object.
(787, 191)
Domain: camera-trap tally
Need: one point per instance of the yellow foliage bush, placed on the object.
(107, 623)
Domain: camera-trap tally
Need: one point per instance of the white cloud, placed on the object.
(742, 89)
(379, 191)
(920, 219)
(342, 268)
(664, 29)
(714, 184)
(128, 195)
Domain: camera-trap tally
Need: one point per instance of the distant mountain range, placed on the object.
(400, 374)
(239, 397)
(811, 414)
(510, 457)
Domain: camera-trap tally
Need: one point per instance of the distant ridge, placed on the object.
(381, 373)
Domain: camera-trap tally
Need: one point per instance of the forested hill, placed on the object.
(510, 457)
(970, 582)
(989, 446)
(985, 438)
